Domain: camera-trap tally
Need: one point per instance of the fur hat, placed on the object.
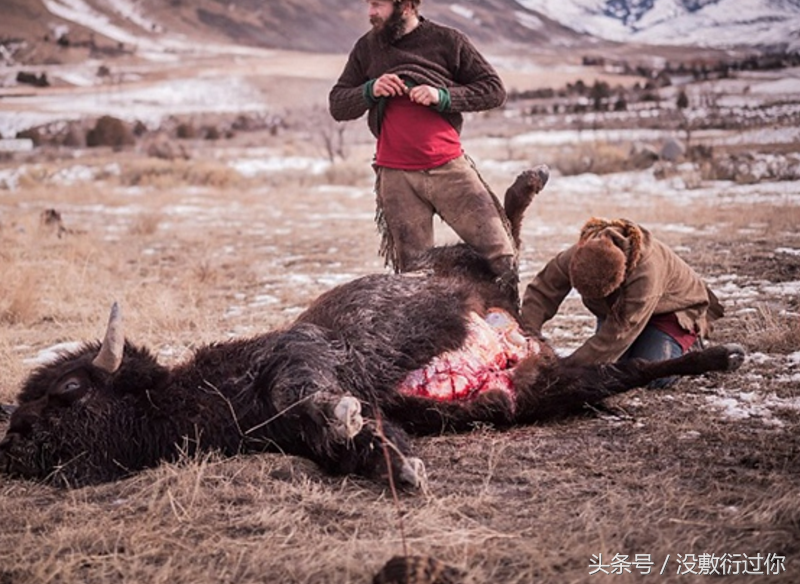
(606, 253)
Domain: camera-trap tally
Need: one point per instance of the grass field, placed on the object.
(240, 236)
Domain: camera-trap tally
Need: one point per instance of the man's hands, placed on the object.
(424, 95)
(390, 85)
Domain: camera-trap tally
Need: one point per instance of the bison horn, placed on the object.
(110, 356)
(6, 410)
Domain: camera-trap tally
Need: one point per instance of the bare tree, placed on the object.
(331, 134)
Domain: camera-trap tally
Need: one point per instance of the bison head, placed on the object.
(70, 420)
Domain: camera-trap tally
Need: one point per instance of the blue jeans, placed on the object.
(653, 345)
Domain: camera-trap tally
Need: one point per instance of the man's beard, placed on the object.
(391, 29)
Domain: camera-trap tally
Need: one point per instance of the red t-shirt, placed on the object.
(668, 323)
(415, 137)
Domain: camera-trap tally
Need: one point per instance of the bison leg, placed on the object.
(306, 410)
(342, 441)
(520, 195)
(390, 443)
(720, 358)
(547, 390)
(422, 416)
(359, 446)
(340, 411)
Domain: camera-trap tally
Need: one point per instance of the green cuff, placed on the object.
(444, 100)
(367, 92)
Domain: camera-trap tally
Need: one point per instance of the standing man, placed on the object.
(415, 78)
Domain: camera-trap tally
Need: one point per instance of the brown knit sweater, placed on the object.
(430, 54)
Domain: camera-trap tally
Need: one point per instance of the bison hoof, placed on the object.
(736, 355)
(542, 174)
(413, 473)
(348, 417)
(532, 181)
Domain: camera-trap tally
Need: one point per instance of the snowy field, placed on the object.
(241, 233)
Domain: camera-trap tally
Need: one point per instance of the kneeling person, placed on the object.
(648, 302)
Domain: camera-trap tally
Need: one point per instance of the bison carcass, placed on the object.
(368, 363)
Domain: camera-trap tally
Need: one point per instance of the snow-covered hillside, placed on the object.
(708, 23)
(333, 25)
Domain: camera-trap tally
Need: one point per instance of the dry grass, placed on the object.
(771, 330)
(164, 174)
(146, 224)
(599, 158)
(19, 297)
(195, 254)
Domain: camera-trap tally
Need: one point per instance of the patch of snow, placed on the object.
(52, 353)
(746, 405)
(788, 289)
(77, 78)
(16, 145)
(128, 11)
(80, 12)
(168, 352)
(584, 16)
(332, 280)
(73, 174)
(147, 104)
(759, 358)
(150, 44)
(567, 137)
(264, 300)
(251, 167)
(233, 312)
(787, 86)
(528, 20)
(9, 178)
(462, 11)
(349, 191)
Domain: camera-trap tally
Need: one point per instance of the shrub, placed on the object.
(33, 79)
(598, 158)
(74, 136)
(110, 131)
(185, 131)
(33, 134)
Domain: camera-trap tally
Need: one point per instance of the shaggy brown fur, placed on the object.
(597, 268)
(607, 252)
(325, 387)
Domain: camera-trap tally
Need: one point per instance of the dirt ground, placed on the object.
(666, 486)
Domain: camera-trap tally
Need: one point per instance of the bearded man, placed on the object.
(415, 78)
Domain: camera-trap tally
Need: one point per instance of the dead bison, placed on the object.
(367, 364)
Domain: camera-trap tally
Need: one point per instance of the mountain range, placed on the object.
(768, 24)
(333, 25)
